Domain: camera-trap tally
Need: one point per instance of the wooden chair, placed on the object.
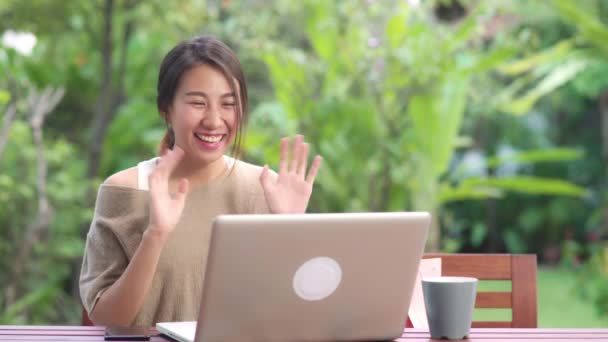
(520, 269)
(86, 321)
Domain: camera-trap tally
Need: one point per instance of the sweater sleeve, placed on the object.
(115, 232)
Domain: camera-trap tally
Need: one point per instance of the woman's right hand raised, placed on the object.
(165, 208)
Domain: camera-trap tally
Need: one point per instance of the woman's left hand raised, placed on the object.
(290, 192)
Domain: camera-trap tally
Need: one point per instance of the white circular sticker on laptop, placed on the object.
(317, 278)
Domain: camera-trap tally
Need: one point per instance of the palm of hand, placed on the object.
(289, 194)
(291, 191)
(166, 210)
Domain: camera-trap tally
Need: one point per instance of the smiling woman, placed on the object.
(214, 85)
(145, 255)
(203, 117)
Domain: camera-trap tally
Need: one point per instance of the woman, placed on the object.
(146, 250)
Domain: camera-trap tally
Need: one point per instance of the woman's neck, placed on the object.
(199, 174)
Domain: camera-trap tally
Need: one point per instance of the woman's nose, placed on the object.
(212, 117)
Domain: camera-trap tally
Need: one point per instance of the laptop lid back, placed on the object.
(312, 277)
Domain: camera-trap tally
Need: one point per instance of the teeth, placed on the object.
(207, 138)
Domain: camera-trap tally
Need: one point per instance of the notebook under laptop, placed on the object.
(312, 277)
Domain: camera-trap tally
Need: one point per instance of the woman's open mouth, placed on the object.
(209, 141)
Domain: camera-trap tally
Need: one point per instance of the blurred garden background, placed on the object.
(491, 114)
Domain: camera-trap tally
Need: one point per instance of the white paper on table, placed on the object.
(417, 311)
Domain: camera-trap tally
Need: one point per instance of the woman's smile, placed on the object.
(209, 141)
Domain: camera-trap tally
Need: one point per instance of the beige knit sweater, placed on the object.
(121, 216)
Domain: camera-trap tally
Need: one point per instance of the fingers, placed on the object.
(312, 173)
(283, 162)
(170, 160)
(296, 153)
(299, 158)
(159, 178)
(303, 160)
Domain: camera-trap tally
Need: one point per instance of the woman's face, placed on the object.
(203, 114)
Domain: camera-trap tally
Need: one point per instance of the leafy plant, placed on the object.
(401, 81)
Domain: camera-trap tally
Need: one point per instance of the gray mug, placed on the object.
(449, 303)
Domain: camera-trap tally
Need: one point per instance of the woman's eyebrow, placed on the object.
(196, 93)
(203, 94)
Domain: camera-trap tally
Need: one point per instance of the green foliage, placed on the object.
(585, 19)
(410, 120)
(528, 185)
(554, 79)
(592, 32)
(537, 156)
(68, 53)
(356, 83)
(39, 294)
(5, 96)
(392, 96)
(592, 276)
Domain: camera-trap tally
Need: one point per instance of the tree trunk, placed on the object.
(112, 95)
(40, 105)
(103, 115)
(112, 91)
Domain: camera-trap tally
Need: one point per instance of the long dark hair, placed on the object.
(188, 54)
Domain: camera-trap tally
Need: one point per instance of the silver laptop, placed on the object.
(310, 277)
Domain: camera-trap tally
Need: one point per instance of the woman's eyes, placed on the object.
(227, 104)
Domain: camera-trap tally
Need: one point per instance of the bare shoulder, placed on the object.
(126, 178)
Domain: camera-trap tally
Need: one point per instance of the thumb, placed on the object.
(264, 179)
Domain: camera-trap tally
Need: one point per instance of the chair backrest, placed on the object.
(520, 269)
(86, 321)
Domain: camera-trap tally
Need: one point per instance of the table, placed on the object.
(514, 334)
(79, 333)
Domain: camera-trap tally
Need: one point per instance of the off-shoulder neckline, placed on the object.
(221, 178)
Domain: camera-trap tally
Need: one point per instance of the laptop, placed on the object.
(308, 277)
